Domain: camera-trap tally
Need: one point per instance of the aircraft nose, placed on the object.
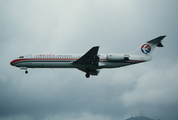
(11, 63)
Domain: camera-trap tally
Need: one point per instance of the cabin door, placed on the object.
(29, 57)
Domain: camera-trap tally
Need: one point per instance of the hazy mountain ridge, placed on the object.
(139, 118)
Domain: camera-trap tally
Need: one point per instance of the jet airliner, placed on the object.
(91, 61)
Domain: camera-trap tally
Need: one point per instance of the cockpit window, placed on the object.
(21, 57)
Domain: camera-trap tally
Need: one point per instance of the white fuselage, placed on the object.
(65, 61)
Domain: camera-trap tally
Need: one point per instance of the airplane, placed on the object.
(91, 61)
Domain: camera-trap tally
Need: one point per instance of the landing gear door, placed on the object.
(29, 57)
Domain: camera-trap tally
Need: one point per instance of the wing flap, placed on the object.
(91, 72)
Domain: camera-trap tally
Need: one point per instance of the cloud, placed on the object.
(153, 88)
(74, 27)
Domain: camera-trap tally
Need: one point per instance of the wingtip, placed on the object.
(163, 36)
(96, 46)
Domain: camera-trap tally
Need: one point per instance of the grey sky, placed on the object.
(67, 26)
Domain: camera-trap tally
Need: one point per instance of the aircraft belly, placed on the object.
(50, 65)
(113, 64)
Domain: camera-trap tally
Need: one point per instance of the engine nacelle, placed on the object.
(117, 57)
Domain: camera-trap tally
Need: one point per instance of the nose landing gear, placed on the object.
(24, 68)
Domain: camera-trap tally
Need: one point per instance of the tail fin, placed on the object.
(149, 46)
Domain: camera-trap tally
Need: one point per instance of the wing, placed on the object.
(88, 62)
(89, 57)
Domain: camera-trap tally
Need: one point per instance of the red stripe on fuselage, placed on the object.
(17, 60)
(136, 61)
(38, 59)
(62, 59)
(123, 60)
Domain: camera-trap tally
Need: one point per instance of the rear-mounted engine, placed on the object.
(117, 57)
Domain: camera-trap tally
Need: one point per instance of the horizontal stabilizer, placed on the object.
(157, 41)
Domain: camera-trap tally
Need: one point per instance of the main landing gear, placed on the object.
(87, 75)
(26, 72)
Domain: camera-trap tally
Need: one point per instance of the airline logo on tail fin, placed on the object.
(146, 48)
